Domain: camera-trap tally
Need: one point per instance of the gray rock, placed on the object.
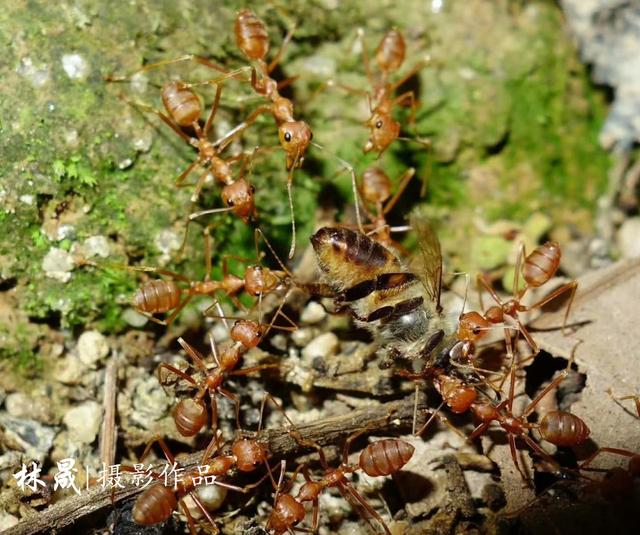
(32, 438)
(83, 421)
(608, 35)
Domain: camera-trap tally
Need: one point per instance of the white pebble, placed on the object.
(27, 199)
(75, 66)
(629, 238)
(92, 347)
(83, 421)
(58, 264)
(314, 312)
(322, 346)
(134, 318)
(38, 76)
(69, 370)
(96, 246)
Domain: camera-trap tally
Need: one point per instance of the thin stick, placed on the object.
(108, 432)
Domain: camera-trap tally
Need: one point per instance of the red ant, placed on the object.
(380, 458)
(538, 268)
(190, 414)
(159, 296)
(157, 503)
(375, 191)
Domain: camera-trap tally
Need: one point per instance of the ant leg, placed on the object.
(190, 521)
(199, 185)
(514, 457)
(517, 294)
(560, 377)
(428, 422)
(403, 183)
(163, 446)
(636, 399)
(412, 103)
(234, 399)
(482, 281)
(204, 511)
(212, 113)
(410, 74)
(570, 286)
(212, 447)
(348, 489)
(195, 355)
(175, 371)
(616, 451)
(258, 233)
(177, 310)
(241, 127)
(181, 59)
(159, 271)
(182, 177)
(276, 60)
(315, 503)
(168, 121)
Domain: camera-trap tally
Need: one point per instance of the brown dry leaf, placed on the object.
(605, 316)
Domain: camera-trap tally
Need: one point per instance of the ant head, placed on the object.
(249, 453)
(239, 196)
(391, 51)
(295, 138)
(376, 185)
(181, 102)
(247, 332)
(384, 131)
(472, 326)
(287, 512)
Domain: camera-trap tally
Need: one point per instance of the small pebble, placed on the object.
(75, 66)
(69, 370)
(322, 346)
(83, 421)
(313, 313)
(301, 337)
(92, 347)
(7, 521)
(134, 318)
(19, 405)
(96, 246)
(629, 238)
(150, 403)
(58, 264)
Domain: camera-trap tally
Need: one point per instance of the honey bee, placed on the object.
(401, 308)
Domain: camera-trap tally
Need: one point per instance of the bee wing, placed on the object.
(365, 511)
(430, 273)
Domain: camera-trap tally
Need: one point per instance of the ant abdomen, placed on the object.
(542, 264)
(563, 429)
(182, 103)
(385, 457)
(189, 417)
(154, 505)
(157, 296)
(251, 35)
(391, 51)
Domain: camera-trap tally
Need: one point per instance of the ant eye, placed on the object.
(310, 136)
(230, 203)
(379, 124)
(252, 189)
(287, 136)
